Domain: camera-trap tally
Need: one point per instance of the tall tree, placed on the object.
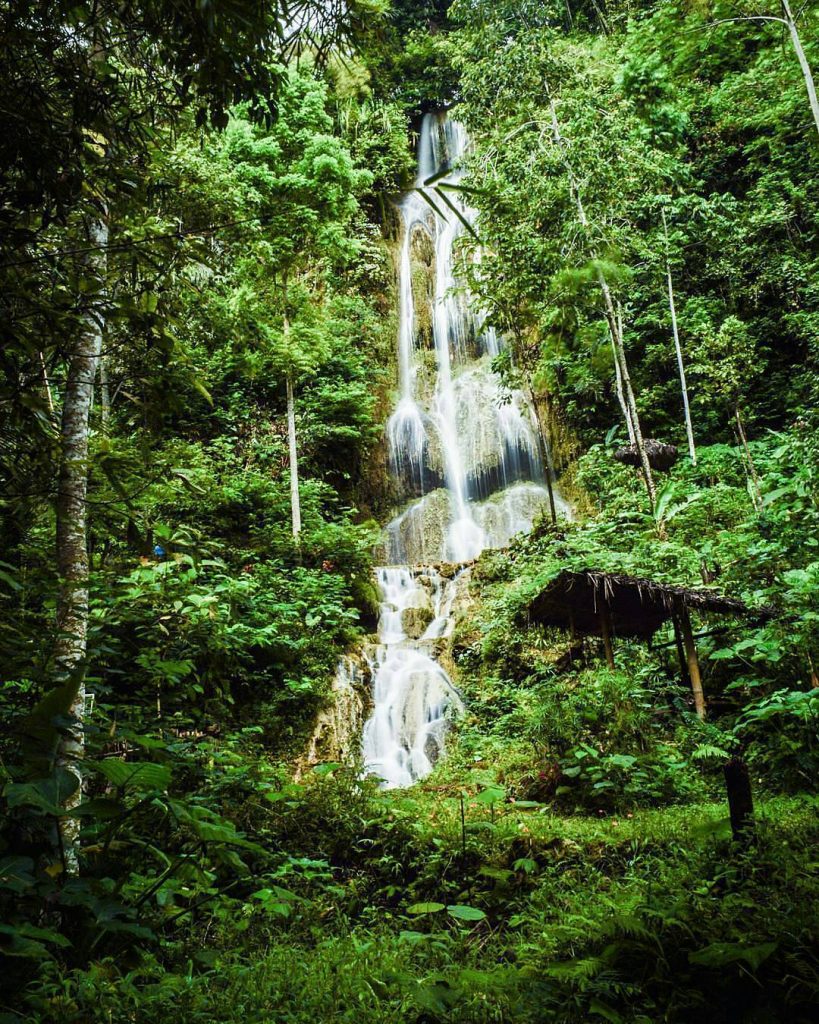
(612, 319)
(302, 185)
(86, 88)
(689, 429)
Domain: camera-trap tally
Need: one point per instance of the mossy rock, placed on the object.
(414, 621)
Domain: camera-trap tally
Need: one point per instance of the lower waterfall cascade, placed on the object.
(465, 451)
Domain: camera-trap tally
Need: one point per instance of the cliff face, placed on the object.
(336, 735)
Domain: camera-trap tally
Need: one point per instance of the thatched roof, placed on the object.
(637, 606)
(660, 455)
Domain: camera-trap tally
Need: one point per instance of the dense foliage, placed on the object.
(203, 192)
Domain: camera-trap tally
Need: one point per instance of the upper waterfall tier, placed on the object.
(455, 431)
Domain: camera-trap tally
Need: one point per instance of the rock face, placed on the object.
(337, 733)
(421, 535)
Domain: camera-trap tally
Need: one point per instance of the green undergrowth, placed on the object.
(547, 720)
(506, 914)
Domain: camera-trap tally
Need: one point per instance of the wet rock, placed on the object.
(432, 749)
(415, 621)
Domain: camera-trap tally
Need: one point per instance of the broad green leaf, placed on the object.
(16, 873)
(720, 954)
(425, 908)
(134, 774)
(464, 913)
(491, 795)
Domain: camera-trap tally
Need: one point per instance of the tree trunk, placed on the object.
(693, 663)
(105, 394)
(602, 18)
(293, 452)
(803, 61)
(47, 383)
(605, 631)
(545, 454)
(295, 504)
(611, 318)
(621, 398)
(740, 798)
(756, 496)
(689, 430)
(72, 546)
(680, 652)
(631, 404)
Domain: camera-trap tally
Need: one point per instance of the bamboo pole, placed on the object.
(790, 21)
(693, 663)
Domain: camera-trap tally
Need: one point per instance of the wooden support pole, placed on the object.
(693, 663)
(675, 622)
(605, 630)
(740, 797)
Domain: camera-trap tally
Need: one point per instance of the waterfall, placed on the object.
(464, 451)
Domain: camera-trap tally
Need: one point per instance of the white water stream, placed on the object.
(469, 455)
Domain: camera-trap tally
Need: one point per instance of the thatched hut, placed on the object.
(660, 455)
(591, 602)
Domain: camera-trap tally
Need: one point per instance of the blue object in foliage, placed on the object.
(159, 551)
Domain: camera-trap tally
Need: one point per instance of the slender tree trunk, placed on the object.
(803, 61)
(72, 543)
(740, 798)
(293, 452)
(603, 20)
(611, 318)
(689, 429)
(605, 632)
(621, 398)
(295, 504)
(628, 400)
(680, 651)
(631, 404)
(545, 454)
(693, 662)
(47, 383)
(757, 494)
(105, 394)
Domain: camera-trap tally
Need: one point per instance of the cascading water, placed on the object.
(465, 451)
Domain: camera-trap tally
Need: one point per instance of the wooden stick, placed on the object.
(605, 629)
(693, 663)
(680, 652)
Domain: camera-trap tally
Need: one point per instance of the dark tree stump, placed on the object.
(740, 798)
